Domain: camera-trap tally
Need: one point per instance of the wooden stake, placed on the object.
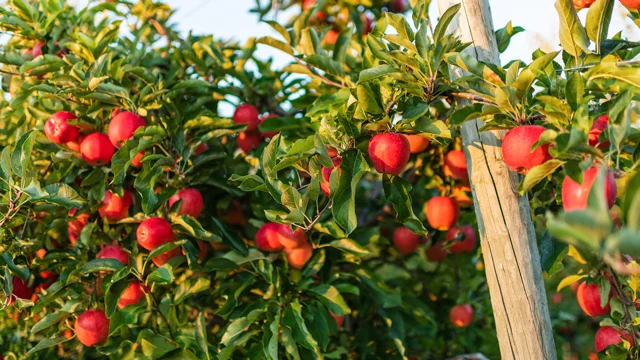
(508, 238)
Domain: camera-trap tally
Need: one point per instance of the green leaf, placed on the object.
(237, 326)
(112, 295)
(155, 346)
(537, 174)
(349, 246)
(394, 320)
(161, 275)
(376, 72)
(504, 35)
(47, 343)
(443, 23)
(49, 320)
(352, 168)
(598, 20)
(201, 335)
(398, 191)
(101, 265)
(60, 194)
(294, 320)
(277, 44)
(249, 182)
(42, 65)
(552, 253)
(573, 36)
(609, 70)
(331, 298)
(21, 157)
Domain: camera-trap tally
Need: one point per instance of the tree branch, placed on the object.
(307, 228)
(626, 303)
(155, 303)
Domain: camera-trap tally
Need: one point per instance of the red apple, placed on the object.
(461, 315)
(298, 257)
(575, 196)
(115, 208)
(92, 328)
(325, 182)
(319, 16)
(467, 239)
(269, 134)
(389, 152)
(331, 37)
(290, 239)
(417, 143)
(75, 227)
(201, 148)
(631, 4)
(21, 289)
(154, 232)
(455, 165)
(37, 49)
(581, 4)
(114, 252)
(136, 161)
(442, 212)
(516, 148)
(48, 277)
(589, 300)
(192, 202)
(268, 238)
(165, 257)
(367, 26)
(96, 149)
(596, 129)
(405, 240)
(122, 127)
(58, 130)
(247, 114)
(338, 318)
(74, 145)
(234, 214)
(436, 252)
(608, 335)
(398, 6)
(248, 140)
(131, 295)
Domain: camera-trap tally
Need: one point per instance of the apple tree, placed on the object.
(330, 214)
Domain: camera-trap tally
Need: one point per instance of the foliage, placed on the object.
(223, 298)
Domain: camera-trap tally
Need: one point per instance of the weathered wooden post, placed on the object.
(508, 238)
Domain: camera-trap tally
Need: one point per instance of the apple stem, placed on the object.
(625, 301)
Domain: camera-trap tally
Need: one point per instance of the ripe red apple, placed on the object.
(115, 208)
(165, 257)
(234, 214)
(461, 315)
(136, 161)
(248, 140)
(154, 232)
(417, 143)
(455, 165)
(269, 134)
(367, 26)
(92, 328)
(467, 242)
(338, 318)
(114, 252)
(131, 295)
(588, 296)
(247, 114)
(631, 4)
(58, 130)
(331, 37)
(398, 6)
(319, 16)
(76, 226)
(298, 257)
(203, 246)
(21, 289)
(608, 335)
(405, 240)
(268, 238)
(581, 4)
(74, 145)
(96, 149)
(290, 239)
(575, 196)
(122, 127)
(596, 129)
(442, 212)
(192, 202)
(37, 49)
(325, 183)
(389, 152)
(48, 278)
(201, 148)
(516, 148)
(436, 252)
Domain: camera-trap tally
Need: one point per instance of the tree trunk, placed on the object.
(508, 238)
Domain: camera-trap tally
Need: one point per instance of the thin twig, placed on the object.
(307, 228)
(472, 97)
(11, 73)
(155, 303)
(390, 106)
(626, 303)
(627, 62)
(12, 208)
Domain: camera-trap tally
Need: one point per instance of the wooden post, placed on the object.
(508, 238)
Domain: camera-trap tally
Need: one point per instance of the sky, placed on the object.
(231, 19)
